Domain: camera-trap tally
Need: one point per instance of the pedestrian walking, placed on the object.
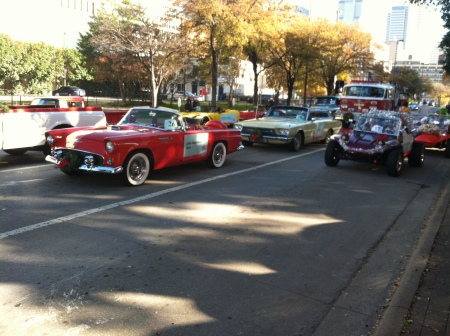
(424, 109)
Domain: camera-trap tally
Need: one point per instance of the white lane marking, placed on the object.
(23, 168)
(142, 198)
(12, 183)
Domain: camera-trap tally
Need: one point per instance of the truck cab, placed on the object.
(59, 102)
(360, 97)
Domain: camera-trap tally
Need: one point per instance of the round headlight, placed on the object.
(109, 146)
(238, 127)
(283, 131)
(50, 140)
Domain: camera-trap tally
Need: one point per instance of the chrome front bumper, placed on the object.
(269, 139)
(99, 169)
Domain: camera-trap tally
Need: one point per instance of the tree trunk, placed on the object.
(214, 69)
(330, 86)
(255, 85)
(254, 60)
(291, 82)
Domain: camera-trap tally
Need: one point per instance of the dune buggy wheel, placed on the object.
(136, 169)
(333, 153)
(417, 155)
(395, 162)
(218, 155)
(296, 143)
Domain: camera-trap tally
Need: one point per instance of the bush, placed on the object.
(4, 107)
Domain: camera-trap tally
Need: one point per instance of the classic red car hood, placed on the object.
(111, 133)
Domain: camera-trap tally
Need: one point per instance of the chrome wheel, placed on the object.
(218, 155)
(296, 143)
(137, 168)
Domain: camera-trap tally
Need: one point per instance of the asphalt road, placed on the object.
(273, 243)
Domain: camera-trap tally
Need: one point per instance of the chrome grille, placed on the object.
(264, 131)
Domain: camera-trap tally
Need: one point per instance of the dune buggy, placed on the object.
(378, 137)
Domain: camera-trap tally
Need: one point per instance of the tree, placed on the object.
(430, 2)
(39, 64)
(409, 82)
(378, 73)
(9, 54)
(441, 92)
(124, 35)
(262, 35)
(343, 48)
(216, 28)
(296, 52)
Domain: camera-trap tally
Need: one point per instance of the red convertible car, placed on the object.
(145, 139)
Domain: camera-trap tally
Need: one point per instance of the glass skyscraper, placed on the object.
(350, 11)
(397, 24)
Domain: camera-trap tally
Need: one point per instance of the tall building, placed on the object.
(397, 24)
(419, 30)
(350, 11)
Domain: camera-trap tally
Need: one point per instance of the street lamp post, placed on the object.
(395, 60)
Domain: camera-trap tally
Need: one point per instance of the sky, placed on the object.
(59, 22)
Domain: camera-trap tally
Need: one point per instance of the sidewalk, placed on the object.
(430, 313)
(421, 303)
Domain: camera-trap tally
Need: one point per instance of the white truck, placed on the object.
(23, 127)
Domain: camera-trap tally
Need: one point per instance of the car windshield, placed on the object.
(378, 124)
(154, 118)
(324, 101)
(291, 112)
(364, 91)
(43, 101)
(436, 120)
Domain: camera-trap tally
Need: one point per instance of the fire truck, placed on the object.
(360, 97)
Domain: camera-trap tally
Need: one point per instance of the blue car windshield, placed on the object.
(292, 112)
(153, 118)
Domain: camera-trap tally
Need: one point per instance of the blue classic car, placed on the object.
(328, 104)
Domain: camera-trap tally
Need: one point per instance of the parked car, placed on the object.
(293, 126)
(69, 91)
(145, 139)
(414, 107)
(328, 104)
(251, 114)
(226, 116)
(378, 137)
(434, 132)
(181, 94)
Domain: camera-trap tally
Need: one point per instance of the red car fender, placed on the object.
(215, 124)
